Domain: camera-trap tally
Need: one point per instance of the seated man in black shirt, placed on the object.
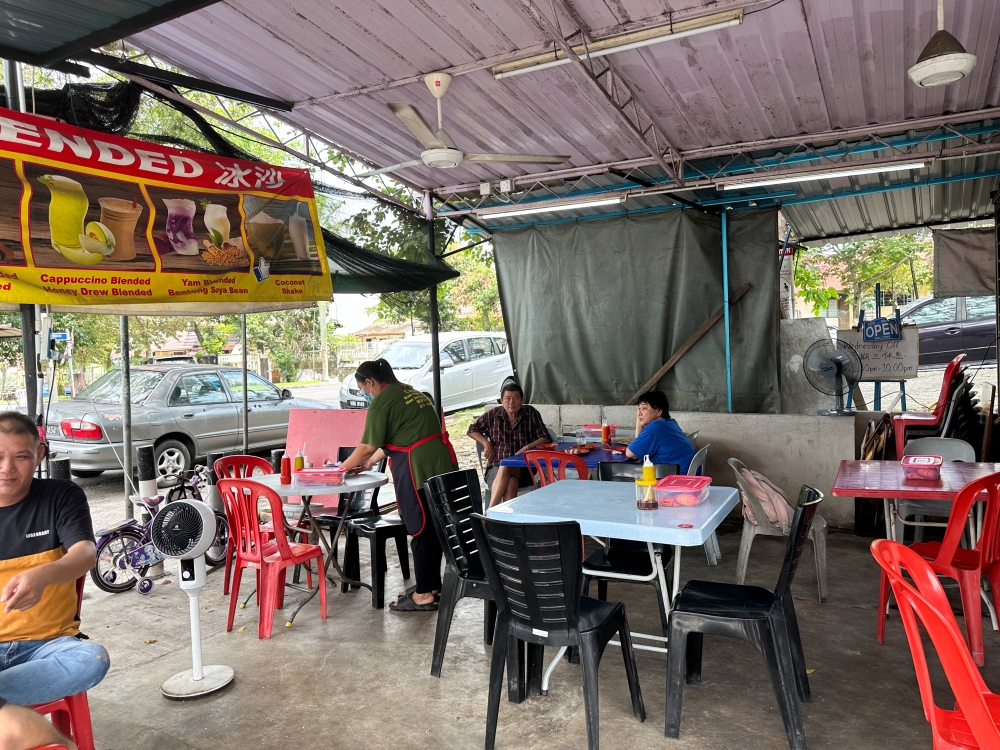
(46, 544)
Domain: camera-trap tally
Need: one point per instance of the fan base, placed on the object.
(837, 412)
(181, 687)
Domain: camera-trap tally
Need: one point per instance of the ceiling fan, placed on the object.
(440, 150)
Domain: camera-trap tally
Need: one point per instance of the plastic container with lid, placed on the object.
(682, 491)
(323, 475)
(927, 468)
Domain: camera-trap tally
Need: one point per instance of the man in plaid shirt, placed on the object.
(504, 431)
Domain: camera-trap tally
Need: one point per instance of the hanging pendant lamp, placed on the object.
(944, 60)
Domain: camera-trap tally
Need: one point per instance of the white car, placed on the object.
(474, 365)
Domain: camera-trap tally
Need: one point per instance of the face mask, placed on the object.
(368, 397)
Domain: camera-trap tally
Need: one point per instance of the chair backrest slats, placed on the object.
(805, 510)
(240, 467)
(452, 499)
(748, 493)
(544, 465)
(697, 466)
(614, 471)
(950, 449)
(535, 572)
(925, 600)
(240, 498)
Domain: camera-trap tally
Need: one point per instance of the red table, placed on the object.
(884, 479)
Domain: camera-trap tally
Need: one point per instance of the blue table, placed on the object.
(601, 455)
(607, 509)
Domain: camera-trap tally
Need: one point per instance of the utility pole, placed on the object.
(435, 322)
(324, 345)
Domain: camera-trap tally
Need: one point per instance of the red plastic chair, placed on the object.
(963, 565)
(543, 465)
(241, 467)
(974, 721)
(71, 715)
(271, 560)
(922, 418)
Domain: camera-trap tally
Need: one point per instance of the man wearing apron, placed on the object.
(403, 425)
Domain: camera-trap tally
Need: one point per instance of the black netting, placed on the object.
(355, 270)
(113, 107)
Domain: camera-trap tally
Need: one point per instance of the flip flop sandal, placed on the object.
(406, 604)
(413, 590)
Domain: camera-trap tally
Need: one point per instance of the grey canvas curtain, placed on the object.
(595, 308)
(964, 262)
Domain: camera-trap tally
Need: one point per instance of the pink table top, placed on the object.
(884, 479)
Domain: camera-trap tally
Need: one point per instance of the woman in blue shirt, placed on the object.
(658, 436)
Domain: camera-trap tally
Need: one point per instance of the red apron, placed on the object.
(410, 507)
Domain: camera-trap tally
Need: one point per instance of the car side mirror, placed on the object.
(446, 363)
(908, 322)
(285, 393)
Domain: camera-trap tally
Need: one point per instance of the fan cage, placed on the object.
(177, 529)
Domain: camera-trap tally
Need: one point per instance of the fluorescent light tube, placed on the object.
(554, 207)
(823, 175)
(620, 43)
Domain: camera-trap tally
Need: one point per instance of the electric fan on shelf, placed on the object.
(184, 531)
(833, 368)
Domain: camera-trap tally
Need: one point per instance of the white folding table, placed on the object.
(607, 509)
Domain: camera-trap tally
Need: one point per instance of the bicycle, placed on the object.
(124, 551)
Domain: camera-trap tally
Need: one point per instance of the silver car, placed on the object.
(184, 411)
(474, 365)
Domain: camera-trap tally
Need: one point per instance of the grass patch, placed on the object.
(300, 382)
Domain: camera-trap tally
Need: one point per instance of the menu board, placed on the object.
(88, 218)
(886, 360)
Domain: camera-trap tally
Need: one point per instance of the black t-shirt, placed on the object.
(53, 514)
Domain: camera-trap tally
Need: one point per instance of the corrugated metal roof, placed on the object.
(790, 68)
(41, 31)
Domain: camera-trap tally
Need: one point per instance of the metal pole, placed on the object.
(878, 314)
(30, 360)
(996, 237)
(725, 308)
(246, 414)
(435, 322)
(10, 81)
(324, 345)
(127, 417)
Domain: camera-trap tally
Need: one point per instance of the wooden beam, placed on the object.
(705, 328)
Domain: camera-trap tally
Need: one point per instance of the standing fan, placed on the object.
(185, 530)
(833, 368)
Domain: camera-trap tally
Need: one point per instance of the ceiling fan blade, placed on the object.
(416, 124)
(445, 138)
(517, 158)
(393, 168)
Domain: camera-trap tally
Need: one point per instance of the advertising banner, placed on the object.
(88, 218)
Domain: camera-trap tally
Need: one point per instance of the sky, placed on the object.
(349, 311)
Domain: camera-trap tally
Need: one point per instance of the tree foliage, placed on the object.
(901, 264)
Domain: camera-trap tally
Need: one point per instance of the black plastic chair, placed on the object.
(624, 556)
(452, 498)
(535, 572)
(365, 520)
(760, 617)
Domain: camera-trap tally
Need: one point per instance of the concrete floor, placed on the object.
(361, 678)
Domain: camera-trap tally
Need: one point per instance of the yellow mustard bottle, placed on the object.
(648, 471)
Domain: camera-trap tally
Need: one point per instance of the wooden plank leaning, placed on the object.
(705, 328)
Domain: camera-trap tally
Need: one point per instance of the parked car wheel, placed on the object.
(171, 457)
(84, 474)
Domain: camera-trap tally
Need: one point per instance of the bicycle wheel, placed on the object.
(111, 574)
(216, 554)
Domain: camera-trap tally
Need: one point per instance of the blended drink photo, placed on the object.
(121, 217)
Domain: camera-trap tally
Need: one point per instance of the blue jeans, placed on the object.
(42, 671)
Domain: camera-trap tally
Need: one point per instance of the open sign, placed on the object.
(881, 329)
